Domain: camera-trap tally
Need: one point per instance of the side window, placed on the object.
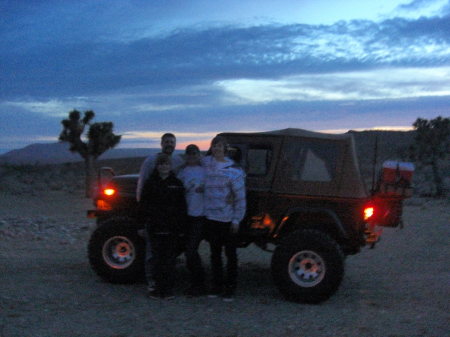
(258, 161)
(313, 161)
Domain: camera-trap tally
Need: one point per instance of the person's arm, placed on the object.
(146, 168)
(177, 163)
(239, 200)
(180, 208)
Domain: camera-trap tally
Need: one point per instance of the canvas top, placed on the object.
(292, 132)
(301, 162)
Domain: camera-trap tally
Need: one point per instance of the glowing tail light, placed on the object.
(109, 192)
(369, 212)
(102, 205)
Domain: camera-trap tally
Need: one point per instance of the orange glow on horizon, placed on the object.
(202, 144)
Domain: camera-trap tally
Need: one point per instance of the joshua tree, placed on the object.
(431, 145)
(100, 137)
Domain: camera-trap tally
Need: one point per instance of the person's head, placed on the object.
(219, 147)
(168, 143)
(235, 154)
(163, 165)
(192, 155)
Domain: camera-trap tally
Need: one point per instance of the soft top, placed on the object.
(293, 132)
(307, 163)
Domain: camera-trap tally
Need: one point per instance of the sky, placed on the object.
(197, 68)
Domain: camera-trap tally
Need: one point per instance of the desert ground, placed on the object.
(400, 288)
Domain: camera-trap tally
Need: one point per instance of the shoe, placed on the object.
(195, 291)
(167, 295)
(215, 292)
(155, 294)
(150, 286)
(228, 295)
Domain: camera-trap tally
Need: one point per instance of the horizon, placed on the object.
(204, 145)
(200, 68)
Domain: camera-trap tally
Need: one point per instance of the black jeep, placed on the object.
(305, 196)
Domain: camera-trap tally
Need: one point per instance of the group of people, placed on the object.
(195, 198)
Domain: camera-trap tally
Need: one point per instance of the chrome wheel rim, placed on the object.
(306, 268)
(118, 252)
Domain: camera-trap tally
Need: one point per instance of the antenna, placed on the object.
(375, 159)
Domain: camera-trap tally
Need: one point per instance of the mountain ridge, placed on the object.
(390, 143)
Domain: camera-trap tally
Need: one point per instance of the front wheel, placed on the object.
(116, 252)
(308, 266)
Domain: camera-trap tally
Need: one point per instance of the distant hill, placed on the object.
(58, 153)
(390, 145)
(61, 170)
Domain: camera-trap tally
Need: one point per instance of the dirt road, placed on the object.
(48, 289)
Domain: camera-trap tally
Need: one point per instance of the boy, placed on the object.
(163, 207)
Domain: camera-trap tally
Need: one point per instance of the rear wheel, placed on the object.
(116, 252)
(308, 266)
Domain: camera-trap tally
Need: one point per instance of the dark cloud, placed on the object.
(287, 114)
(415, 4)
(192, 56)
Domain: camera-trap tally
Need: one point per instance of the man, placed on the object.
(168, 143)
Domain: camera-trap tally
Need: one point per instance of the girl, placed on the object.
(164, 208)
(225, 206)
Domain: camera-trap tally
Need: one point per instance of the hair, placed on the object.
(216, 140)
(167, 135)
(163, 158)
(192, 149)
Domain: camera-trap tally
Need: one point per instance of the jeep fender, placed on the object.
(292, 221)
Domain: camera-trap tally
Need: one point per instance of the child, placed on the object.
(164, 208)
(193, 178)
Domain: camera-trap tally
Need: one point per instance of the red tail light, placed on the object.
(369, 211)
(109, 192)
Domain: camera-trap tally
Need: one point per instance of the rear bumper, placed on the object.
(95, 213)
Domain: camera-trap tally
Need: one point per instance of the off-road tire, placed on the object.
(116, 252)
(308, 266)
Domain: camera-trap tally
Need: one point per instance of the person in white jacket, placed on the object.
(225, 206)
(193, 178)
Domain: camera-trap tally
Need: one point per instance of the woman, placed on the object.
(163, 207)
(193, 178)
(224, 202)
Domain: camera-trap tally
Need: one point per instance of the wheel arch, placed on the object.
(318, 218)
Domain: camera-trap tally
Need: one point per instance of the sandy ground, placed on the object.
(47, 288)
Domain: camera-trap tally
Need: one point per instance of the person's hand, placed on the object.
(234, 228)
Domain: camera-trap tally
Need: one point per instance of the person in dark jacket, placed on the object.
(163, 207)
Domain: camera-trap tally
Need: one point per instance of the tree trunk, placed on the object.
(90, 175)
(437, 178)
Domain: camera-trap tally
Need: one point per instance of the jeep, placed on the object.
(305, 199)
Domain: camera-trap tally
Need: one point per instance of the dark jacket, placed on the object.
(163, 205)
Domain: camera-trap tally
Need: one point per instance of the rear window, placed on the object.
(313, 161)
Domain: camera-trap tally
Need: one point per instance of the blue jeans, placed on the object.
(219, 236)
(149, 260)
(193, 261)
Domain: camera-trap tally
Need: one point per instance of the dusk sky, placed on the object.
(201, 67)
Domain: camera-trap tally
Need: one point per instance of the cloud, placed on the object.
(417, 4)
(167, 107)
(203, 55)
(51, 108)
(385, 83)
